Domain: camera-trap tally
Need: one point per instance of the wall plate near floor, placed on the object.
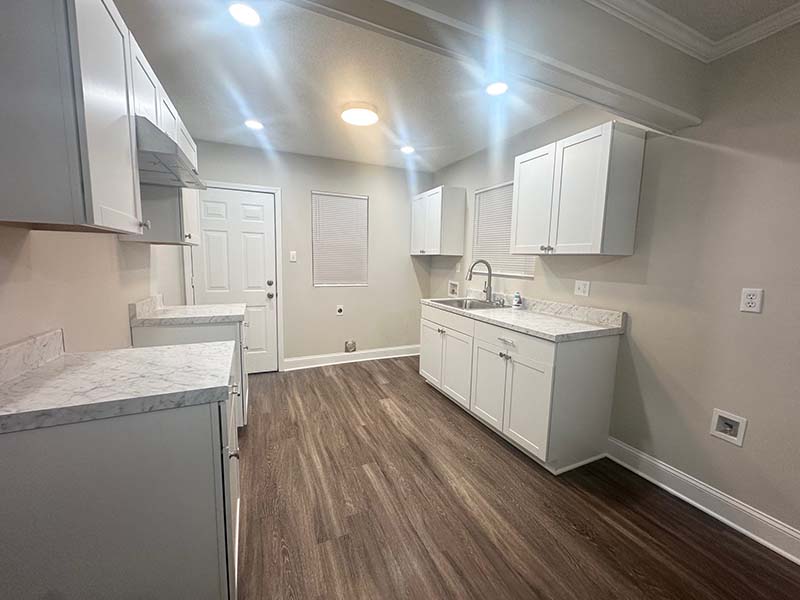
(727, 426)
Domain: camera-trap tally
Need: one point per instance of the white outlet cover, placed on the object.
(752, 300)
(719, 417)
(292, 255)
(339, 310)
(582, 288)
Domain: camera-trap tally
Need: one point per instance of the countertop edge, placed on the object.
(566, 337)
(68, 415)
(154, 321)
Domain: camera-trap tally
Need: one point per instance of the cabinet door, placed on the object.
(433, 222)
(527, 404)
(532, 201)
(579, 192)
(109, 121)
(167, 115)
(145, 85)
(419, 209)
(190, 204)
(187, 144)
(430, 352)
(457, 366)
(488, 383)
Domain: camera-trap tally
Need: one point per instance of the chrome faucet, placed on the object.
(487, 289)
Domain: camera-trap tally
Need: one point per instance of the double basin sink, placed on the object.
(468, 304)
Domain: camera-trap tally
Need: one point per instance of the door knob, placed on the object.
(270, 295)
(270, 282)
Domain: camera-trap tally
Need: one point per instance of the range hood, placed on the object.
(161, 160)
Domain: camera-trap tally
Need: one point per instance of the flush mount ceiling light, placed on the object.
(497, 88)
(246, 15)
(359, 114)
(254, 125)
(407, 150)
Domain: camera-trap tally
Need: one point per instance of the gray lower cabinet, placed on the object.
(68, 158)
(137, 506)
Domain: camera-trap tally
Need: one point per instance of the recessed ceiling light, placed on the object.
(407, 149)
(246, 15)
(359, 114)
(254, 125)
(497, 88)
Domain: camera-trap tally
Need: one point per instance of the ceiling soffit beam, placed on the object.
(428, 29)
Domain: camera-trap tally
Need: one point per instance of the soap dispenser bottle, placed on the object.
(517, 302)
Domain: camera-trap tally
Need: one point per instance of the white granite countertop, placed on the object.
(72, 388)
(546, 320)
(151, 312)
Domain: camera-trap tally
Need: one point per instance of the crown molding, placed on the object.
(668, 29)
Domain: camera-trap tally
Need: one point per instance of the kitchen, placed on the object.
(398, 299)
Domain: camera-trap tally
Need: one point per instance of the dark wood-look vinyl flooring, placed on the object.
(361, 481)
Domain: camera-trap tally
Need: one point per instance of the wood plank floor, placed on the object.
(361, 481)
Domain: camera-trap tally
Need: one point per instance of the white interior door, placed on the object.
(235, 262)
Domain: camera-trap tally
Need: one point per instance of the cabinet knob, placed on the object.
(270, 283)
(145, 224)
(270, 295)
(543, 248)
(422, 251)
(188, 236)
(234, 454)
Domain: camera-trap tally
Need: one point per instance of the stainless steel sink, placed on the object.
(467, 304)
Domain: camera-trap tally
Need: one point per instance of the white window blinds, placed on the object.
(492, 233)
(340, 239)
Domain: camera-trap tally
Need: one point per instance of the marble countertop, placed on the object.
(151, 312)
(72, 388)
(546, 320)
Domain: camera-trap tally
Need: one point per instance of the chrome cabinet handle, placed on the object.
(504, 355)
(146, 224)
(234, 454)
(422, 251)
(245, 347)
(235, 389)
(270, 282)
(543, 248)
(506, 340)
(188, 236)
(440, 330)
(270, 295)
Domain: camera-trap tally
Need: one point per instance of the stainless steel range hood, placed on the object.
(161, 160)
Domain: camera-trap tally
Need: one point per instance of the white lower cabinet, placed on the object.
(551, 400)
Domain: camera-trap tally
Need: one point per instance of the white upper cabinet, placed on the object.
(187, 144)
(167, 116)
(579, 195)
(437, 222)
(145, 85)
(68, 105)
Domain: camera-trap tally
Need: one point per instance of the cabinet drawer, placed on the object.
(519, 343)
(448, 320)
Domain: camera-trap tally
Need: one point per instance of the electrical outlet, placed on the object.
(752, 299)
(727, 426)
(452, 289)
(582, 287)
(339, 310)
(350, 346)
(292, 255)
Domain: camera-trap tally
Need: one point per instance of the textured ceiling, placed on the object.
(716, 19)
(298, 68)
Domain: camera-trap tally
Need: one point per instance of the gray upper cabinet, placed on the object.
(146, 87)
(69, 155)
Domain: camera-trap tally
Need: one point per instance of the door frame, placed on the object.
(276, 191)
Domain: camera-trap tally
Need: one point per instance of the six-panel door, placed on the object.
(527, 403)
(488, 383)
(430, 352)
(457, 365)
(532, 201)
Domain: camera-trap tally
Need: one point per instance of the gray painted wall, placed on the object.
(384, 314)
(719, 211)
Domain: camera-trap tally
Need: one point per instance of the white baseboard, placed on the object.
(769, 531)
(338, 358)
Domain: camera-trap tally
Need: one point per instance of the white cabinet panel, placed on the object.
(579, 192)
(419, 210)
(167, 116)
(105, 68)
(488, 383)
(145, 84)
(527, 404)
(457, 366)
(430, 352)
(433, 221)
(190, 200)
(533, 198)
(186, 143)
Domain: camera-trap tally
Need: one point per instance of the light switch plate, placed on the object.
(582, 287)
(292, 255)
(752, 300)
